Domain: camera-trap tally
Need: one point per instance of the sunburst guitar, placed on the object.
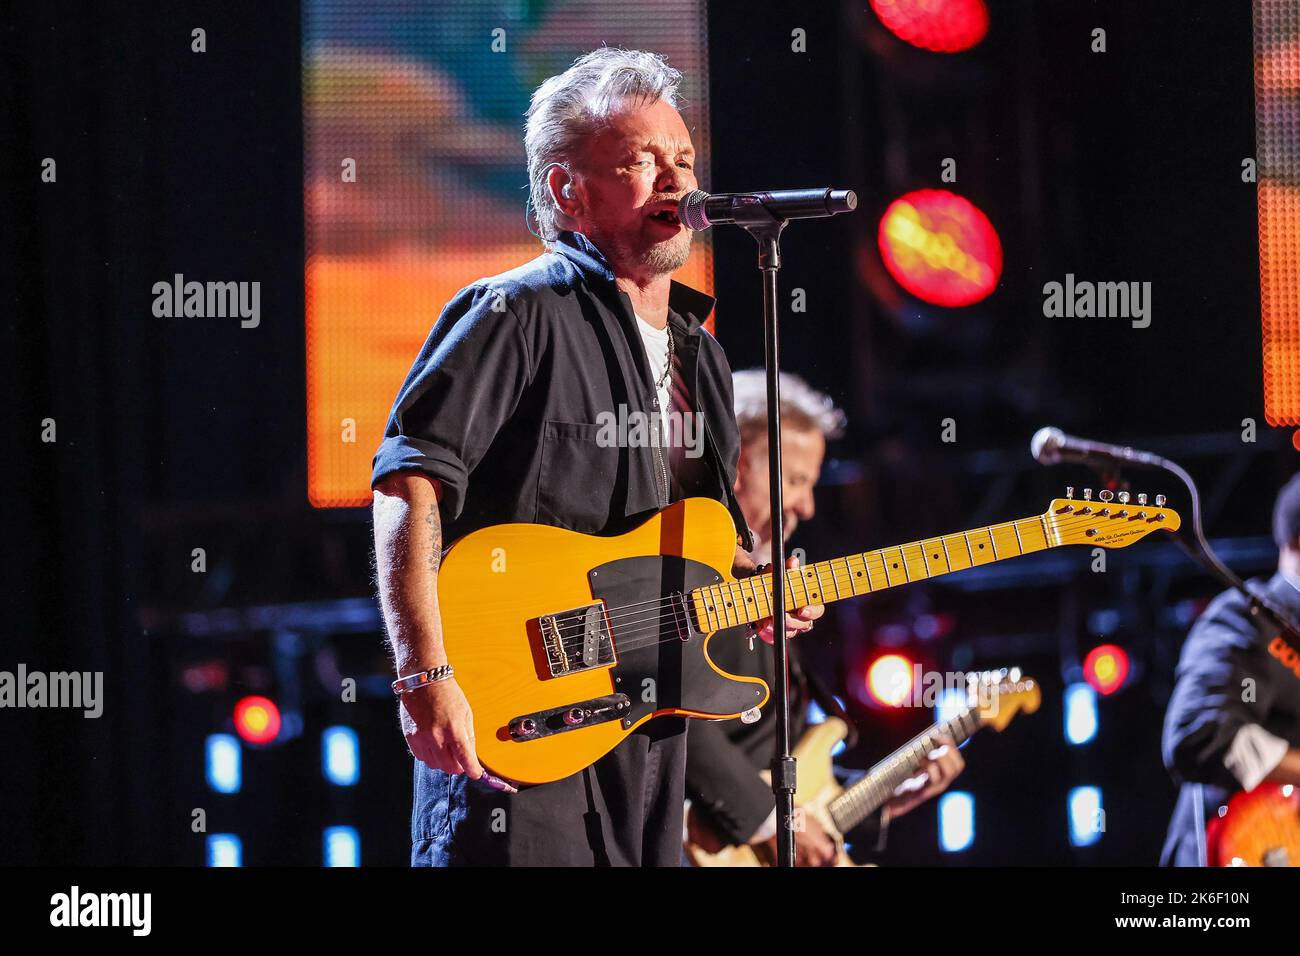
(565, 643)
(1259, 828)
(998, 698)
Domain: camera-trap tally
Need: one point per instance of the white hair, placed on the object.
(802, 406)
(568, 107)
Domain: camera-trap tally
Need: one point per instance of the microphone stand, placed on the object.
(766, 230)
(1258, 607)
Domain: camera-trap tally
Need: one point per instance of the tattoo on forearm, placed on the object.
(435, 536)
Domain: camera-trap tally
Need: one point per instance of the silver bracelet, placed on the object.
(413, 682)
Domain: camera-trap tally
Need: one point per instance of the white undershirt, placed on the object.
(656, 350)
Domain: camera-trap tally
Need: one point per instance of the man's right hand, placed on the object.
(439, 728)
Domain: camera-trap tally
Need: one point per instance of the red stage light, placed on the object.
(1106, 668)
(257, 720)
(890, 680)
(941, 26)
(940, 247)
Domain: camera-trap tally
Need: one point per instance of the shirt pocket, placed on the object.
(578, 477)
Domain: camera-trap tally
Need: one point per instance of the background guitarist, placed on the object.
(1234, 717)
(499, 421)
(730, 803)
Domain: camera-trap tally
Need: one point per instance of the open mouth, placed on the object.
(667, 217)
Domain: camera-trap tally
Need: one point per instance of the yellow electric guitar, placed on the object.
(996, 698)
(565, 643)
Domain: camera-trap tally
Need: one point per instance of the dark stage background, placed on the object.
(178, 434)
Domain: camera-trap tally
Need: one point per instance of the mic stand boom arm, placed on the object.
(1201, 552)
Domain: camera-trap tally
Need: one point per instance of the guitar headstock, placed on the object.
(1000, 695)
(1112, 521)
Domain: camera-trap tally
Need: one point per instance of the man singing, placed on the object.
(498, 421)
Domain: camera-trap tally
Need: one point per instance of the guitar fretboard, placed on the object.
(732, 603)
(874, 790)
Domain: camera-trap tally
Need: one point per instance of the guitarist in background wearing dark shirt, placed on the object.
(1233, 721)
(731, 804)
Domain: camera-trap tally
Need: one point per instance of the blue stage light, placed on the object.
(956, 821)
(223, 763)
(1087, 816)
(341, 756)
(342, 846)
(1080, 713)
(225, 849)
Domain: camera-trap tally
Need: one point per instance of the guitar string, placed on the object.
(616, 612)
(640, 622)
(649, 620)
(863, 797)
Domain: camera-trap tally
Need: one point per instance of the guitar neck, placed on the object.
(732, 603)
(870, 793)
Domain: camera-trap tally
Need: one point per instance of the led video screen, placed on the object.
(415, 181)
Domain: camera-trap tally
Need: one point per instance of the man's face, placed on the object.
(802, 451)
(634, 171)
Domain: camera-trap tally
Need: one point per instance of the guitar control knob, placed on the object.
(574, 716)
(523, 727)
(1105, 494)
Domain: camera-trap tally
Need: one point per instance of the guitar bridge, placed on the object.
(577, 639)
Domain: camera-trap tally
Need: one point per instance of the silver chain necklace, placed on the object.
(668, 366)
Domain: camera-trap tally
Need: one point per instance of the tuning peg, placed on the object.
(1087, 494)
(1160, 501)
(1069, 491)
(1123, 497)
(1142, 499)
(1105, 494)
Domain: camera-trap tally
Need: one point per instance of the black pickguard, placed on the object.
(655, 651)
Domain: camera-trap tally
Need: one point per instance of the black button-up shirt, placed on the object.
(504, 404)
(1226, 651)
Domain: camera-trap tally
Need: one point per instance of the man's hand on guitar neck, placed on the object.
(797, 622)
(943, 765)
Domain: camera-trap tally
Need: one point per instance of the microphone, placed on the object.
(1051, 445)
(698, 210)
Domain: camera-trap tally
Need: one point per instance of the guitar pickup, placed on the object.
(576, 640)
